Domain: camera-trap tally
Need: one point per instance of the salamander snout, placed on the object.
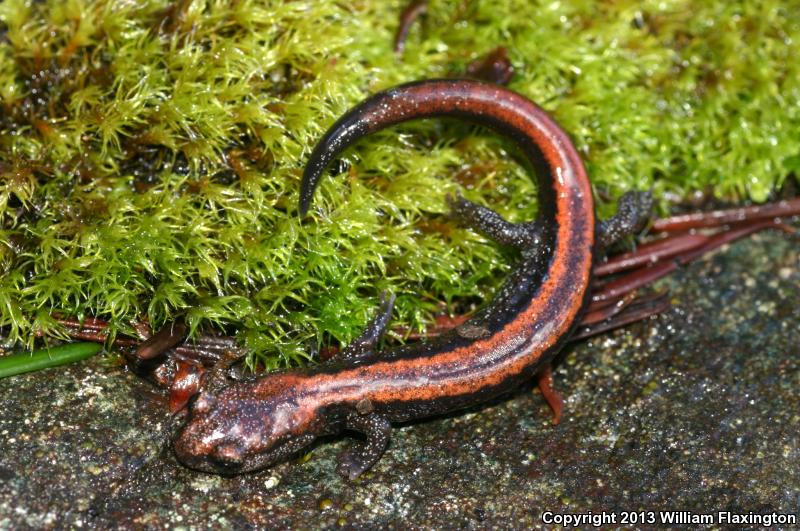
(209, 450)
(217, 437)
(237, 431)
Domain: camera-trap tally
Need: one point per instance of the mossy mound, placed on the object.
(151, 152)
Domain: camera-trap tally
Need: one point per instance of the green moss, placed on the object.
(150, 152)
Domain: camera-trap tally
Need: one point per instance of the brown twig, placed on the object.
(716, 218)
(411, 13)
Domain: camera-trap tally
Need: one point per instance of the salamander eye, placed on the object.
(202, 403)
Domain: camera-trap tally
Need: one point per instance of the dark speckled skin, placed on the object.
(253, 424)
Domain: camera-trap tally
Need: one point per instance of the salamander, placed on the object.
(235, 427)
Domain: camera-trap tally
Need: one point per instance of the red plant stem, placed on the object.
(634, 313)
(715, 218)
(91, 329)
(649, 253)
(641, 277)
(602, 310)
(101, 338)
(407, 17)
(720, 239)
(619, 287)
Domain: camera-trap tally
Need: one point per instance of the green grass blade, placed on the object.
(22, 362)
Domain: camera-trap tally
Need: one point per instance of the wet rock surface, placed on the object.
(695, 410)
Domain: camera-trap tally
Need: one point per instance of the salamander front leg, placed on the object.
(490, 223)
(361, 456)
(364, 345)
(633, 209)
(217, 378)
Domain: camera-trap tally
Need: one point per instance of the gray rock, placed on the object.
(697, 410)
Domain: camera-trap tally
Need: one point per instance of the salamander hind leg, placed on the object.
(551, 396)
(359, 458)
(633, 209)
(364, 345)
(491, 224)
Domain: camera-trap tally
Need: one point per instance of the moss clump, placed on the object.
(151, 152)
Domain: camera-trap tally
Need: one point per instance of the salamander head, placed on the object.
(244, 428)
